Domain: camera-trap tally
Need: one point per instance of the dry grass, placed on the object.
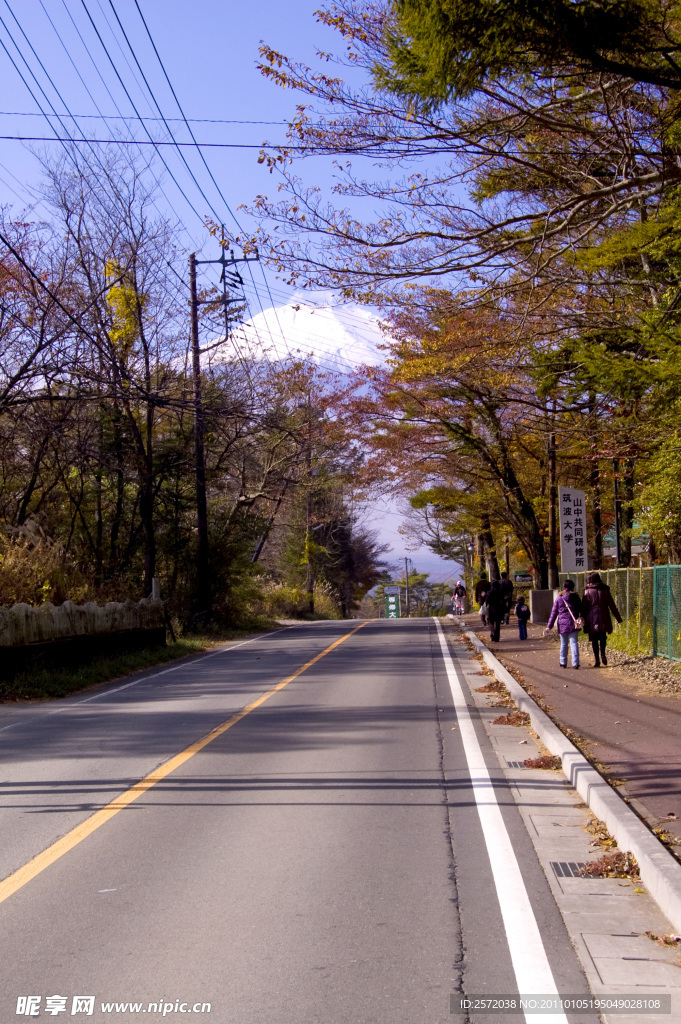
(515, 718)
(664, 940)
(548, 761)
(35, 569)
(493, 687)
(665, 836)
(505, 701)
(598, 830)
(279, 600)
(616, 864)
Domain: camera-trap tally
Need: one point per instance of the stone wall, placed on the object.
(24, 624)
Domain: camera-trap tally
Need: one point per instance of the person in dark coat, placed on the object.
(566, 610)
(522, 614)
(507, 590)
(482, 588)
(496, 610)
(597, 604)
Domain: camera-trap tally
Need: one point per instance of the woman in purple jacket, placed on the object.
(566, 610)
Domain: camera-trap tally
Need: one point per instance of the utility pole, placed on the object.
(553, 518)
(229, 279)
(406, 576)
(203, 584)
(615, 474)
(308, 516)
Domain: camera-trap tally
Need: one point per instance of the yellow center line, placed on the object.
(25, 874)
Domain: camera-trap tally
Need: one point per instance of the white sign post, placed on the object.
(573, 549)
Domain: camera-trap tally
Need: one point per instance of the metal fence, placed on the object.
(649, 601)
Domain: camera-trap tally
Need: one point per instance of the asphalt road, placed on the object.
(343, 852)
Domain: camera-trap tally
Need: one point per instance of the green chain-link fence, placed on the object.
(649, 601)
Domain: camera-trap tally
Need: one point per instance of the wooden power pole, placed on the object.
(230, 279)
(203, 583)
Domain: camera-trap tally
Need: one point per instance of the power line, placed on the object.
(156, 104)
(169, 130)
(195, 143)
(127, 93)
(205, 163)
(35, 98)
(50, 80)
(133, 117)
(138, 142)
(69, 139)
(121, 50)
(179, 107)
(113, 100)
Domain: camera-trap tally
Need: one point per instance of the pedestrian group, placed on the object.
(591, 613)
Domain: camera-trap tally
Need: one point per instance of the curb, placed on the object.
(660, 871)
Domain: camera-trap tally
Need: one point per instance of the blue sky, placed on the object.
(210, 52)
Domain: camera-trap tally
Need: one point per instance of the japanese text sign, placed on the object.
(573, 549)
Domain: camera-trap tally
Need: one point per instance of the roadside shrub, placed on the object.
(35, 569)
(283, 601)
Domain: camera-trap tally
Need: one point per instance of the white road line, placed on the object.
(530, 962)
(144, 679)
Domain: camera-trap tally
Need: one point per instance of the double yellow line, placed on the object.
(34, 867)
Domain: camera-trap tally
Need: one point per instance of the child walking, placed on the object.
(522, 613)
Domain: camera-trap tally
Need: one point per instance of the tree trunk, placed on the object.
(596, 515)
(99, 515)
(147, 518)
(553, 509)
(22, 514)
(540, 564)
(489, 549)
(627, 509)
(480, 551)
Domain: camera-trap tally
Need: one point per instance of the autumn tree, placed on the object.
(441, 48)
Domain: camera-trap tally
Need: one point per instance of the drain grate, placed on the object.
(515, 764)
(567, 869)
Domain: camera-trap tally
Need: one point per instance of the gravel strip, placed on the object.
(660, 674)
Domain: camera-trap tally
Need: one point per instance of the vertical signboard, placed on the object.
(392, 606)
(573, 549)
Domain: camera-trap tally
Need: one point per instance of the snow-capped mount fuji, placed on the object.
(335, 337)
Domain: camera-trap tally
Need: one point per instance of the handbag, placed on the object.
(579, 621)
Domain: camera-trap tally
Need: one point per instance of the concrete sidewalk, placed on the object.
(619, 722)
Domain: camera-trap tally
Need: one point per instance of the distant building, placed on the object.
(639, 548)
